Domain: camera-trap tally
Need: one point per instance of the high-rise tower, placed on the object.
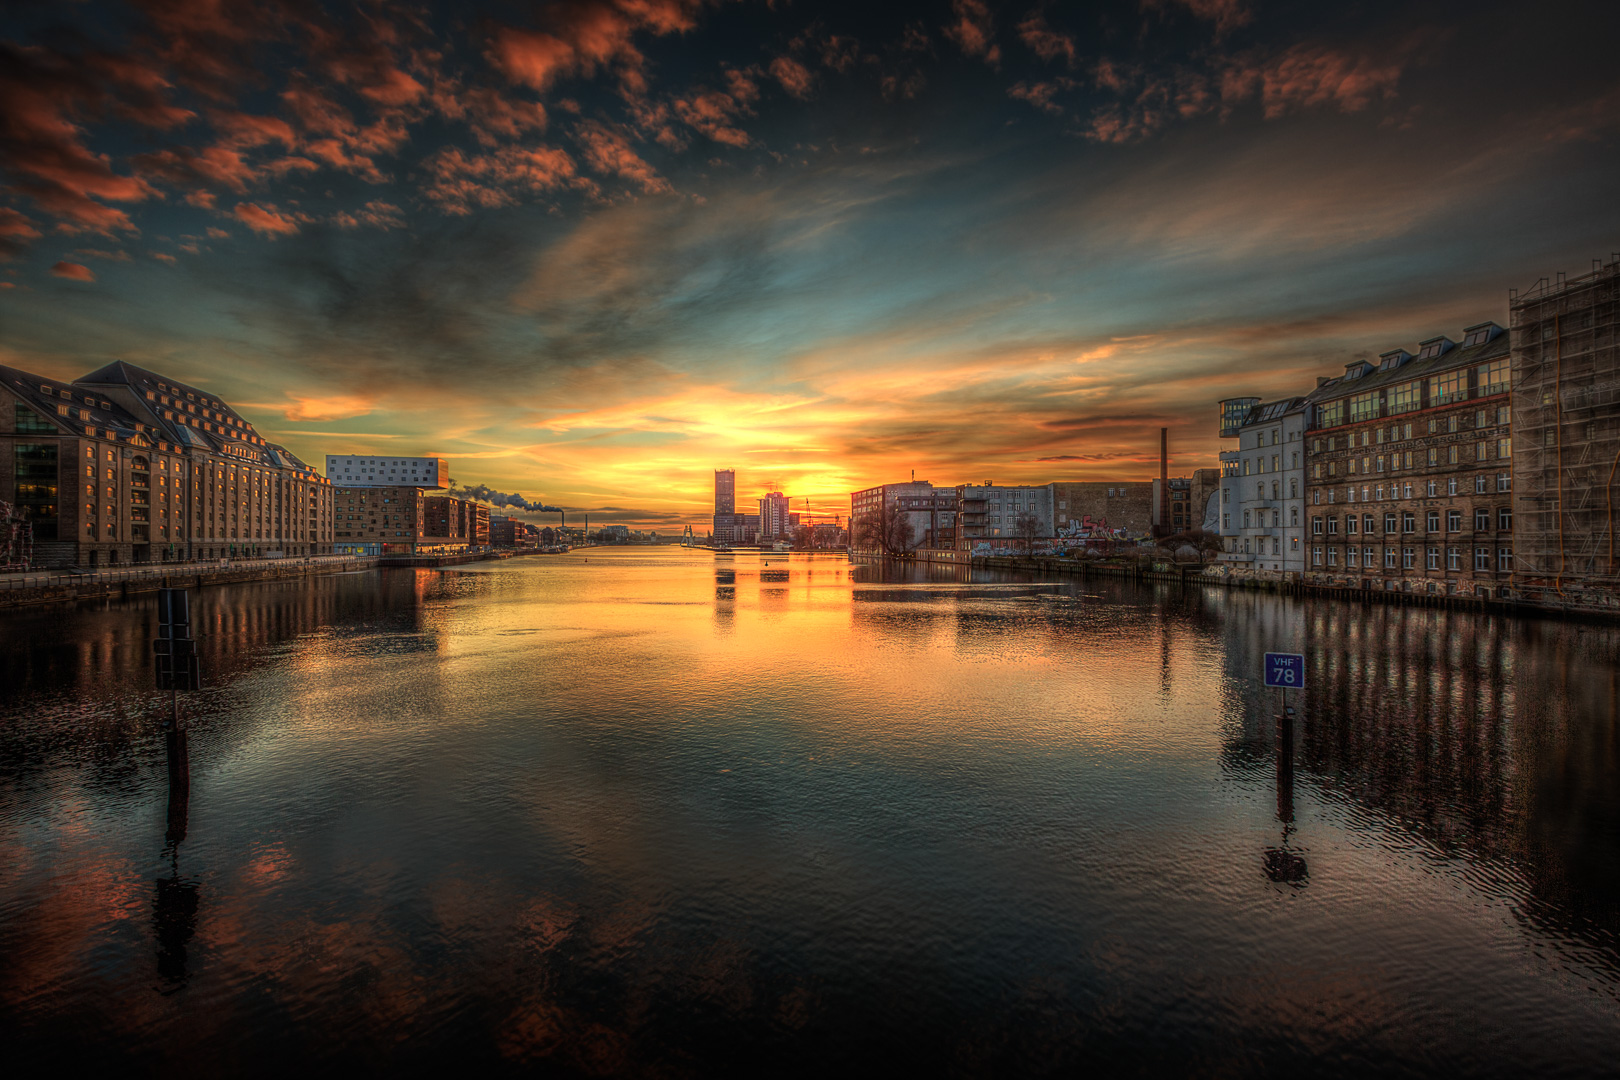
(726, 521)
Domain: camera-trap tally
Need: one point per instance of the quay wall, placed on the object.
(119, 584)
(1579, 605)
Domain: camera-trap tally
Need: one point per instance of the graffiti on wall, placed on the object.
(1086, 527)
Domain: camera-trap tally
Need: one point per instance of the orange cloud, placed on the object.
(608, 151)
(458, 183)
(974, 30)
(794, 76)
(265, 222)
(1045, 42)
(73, 271)
(329, 407)
(584, 38)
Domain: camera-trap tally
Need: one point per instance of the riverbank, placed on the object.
(1201, 574)
(32, 590)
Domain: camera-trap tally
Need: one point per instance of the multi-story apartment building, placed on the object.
(1262, 506)
(126, 465)
(1409, 470)
(930, 512)
(993, 515)
(354, 470)
(776, 520)
(380, 520)
(505, 532)
(1092, 508)
(451, 522)
(1566, 415)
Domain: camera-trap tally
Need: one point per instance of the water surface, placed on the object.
(662, 812)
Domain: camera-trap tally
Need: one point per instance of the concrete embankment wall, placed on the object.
(1197, 575)
(150, 579)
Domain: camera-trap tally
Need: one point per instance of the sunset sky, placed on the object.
(592, 251)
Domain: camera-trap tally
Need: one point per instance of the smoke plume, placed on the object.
(485, 494)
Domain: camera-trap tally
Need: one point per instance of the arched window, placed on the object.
(1260, 490)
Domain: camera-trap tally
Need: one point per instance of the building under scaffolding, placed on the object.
(1566, 453)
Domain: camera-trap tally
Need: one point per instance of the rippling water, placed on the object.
(656, 811)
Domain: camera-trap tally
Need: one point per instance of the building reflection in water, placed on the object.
(597, 832)
(1496, 740)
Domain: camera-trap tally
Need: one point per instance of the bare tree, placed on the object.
(889, 531)
(1027, 527)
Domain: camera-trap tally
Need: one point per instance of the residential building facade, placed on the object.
(993, 516)
(774, 518)
(128, 466)
(380, 520)
(1410, 470)
(449, 521)
(1262, 501)
(930, 512)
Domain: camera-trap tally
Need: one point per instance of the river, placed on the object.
(656, 811)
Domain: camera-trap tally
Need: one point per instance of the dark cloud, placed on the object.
(594, 244)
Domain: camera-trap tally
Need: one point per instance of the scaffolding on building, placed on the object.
(1566, 435)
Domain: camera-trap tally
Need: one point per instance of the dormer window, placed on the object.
(1433, 347)
(1479, 335)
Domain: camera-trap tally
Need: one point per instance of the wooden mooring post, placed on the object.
(175, 657)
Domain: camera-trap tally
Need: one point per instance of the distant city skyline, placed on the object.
(591, 252)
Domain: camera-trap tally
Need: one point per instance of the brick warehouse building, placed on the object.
(1409, 471)
(128, 466)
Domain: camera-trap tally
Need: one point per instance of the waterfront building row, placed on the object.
(126, 466)
(1004, 517)
(1482, 467)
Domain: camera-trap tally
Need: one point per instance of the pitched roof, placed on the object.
(1458, 356)
(48, 396)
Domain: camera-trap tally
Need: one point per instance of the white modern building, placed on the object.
(1263, 486)
(357, 471)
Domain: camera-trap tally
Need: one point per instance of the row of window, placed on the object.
(1431, 490)
(1407, 522)
(1368, 558)
(1438, 425)
(1437, 456)
(1490, 378)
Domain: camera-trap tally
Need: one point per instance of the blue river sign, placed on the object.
(1286, 670)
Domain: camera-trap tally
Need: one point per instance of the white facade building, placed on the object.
(1263, 486)
(358, 471)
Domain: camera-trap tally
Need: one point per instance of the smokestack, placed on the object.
(1164, 478)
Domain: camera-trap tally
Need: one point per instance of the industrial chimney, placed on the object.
(1164, 480)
